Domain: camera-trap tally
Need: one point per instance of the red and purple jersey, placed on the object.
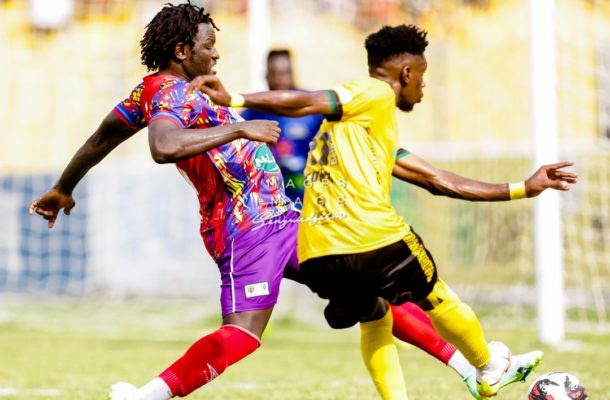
(238, 184)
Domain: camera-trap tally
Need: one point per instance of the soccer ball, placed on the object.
(557, 386)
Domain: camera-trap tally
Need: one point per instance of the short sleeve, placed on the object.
(129, 110)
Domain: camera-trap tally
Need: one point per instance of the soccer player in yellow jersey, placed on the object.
(353, 247)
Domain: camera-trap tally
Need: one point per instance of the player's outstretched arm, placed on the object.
(170, 143)
(111, 132)
(414, 169)
(290, 103)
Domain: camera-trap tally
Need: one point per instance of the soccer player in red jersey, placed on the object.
(236, 179)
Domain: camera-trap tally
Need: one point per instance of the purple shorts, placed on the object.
(252, 266)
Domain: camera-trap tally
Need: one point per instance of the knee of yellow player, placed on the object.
(440, 300)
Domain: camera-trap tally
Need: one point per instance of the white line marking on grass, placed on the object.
(8, 391)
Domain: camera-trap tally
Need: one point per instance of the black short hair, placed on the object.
(278, 53)
(391, 41)
(172, 25)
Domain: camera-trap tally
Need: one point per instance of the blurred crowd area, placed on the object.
(66, 63)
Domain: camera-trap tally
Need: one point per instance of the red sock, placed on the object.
(412, 325)
(209, 357)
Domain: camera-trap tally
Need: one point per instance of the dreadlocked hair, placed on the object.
(391, 41)
(173, 24)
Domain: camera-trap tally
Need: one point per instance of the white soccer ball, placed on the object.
(557, 386)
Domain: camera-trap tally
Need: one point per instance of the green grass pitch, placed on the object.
(72, 351)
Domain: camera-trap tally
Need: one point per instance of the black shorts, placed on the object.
(353, 283)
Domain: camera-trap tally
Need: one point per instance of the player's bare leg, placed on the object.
(252, 321)
(206, 359)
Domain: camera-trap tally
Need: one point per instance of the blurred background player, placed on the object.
(293, 145)
(348, 174)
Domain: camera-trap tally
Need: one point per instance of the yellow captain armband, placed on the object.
(517, 190)
(237, 100)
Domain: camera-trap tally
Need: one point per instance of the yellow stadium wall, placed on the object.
(58, 87)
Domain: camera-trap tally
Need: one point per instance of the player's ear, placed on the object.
(405, 75)
(181, 51)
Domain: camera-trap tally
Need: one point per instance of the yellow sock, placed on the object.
(457, 324)
(381, 358)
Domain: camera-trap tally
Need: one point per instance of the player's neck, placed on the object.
(384, 75)
(174, 71)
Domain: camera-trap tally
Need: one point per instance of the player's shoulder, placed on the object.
(366, 82)
(167, 82)
(136, 93)
(365, 87)
(171, 89)
(157, 78)
(162, 82)
(374, 86)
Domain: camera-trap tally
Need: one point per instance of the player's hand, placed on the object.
(211, 85)
(261, 130)
(49, 204)
(550, 177)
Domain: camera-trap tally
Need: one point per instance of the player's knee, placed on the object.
(341, 316)
(440, 299)
(345, 313)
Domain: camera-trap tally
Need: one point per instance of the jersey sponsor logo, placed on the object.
(257, 289)
(263, 159)
(319, 175)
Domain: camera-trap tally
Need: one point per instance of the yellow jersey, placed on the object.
(346, 206)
